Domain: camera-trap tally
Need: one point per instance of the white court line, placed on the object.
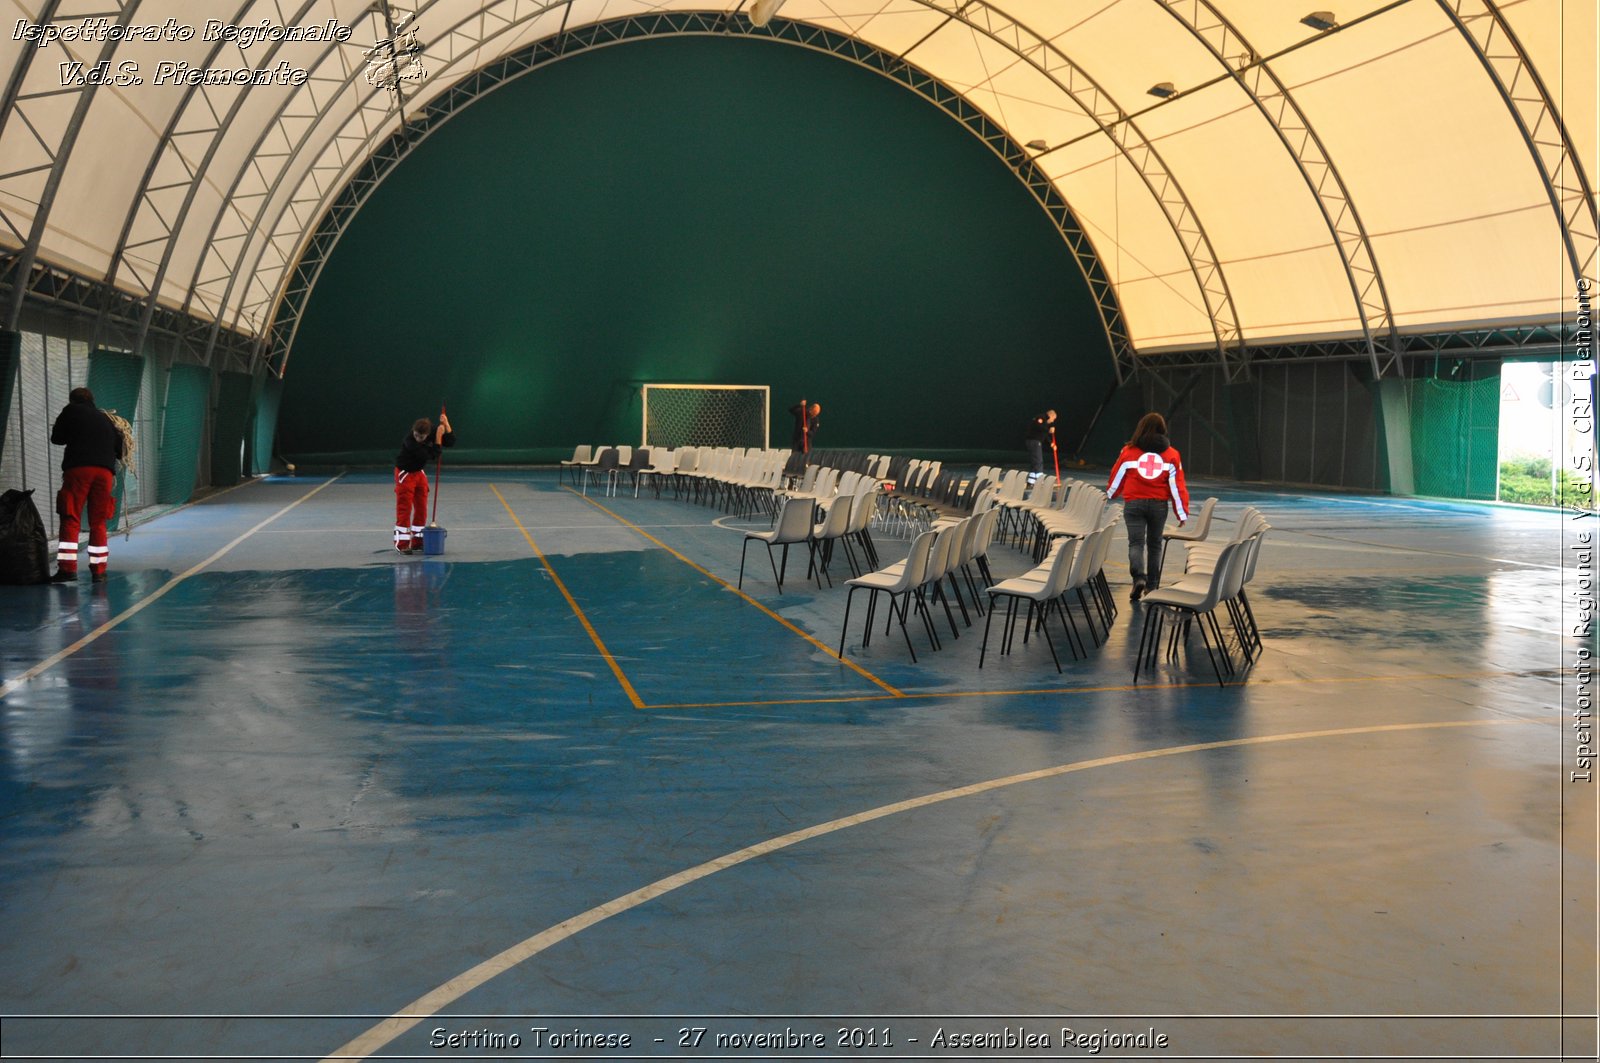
(15, 683)
(432, 1003)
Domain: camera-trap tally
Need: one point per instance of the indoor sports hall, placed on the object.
(743, 656)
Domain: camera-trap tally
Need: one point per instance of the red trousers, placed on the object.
(410, 508)
(85, 486)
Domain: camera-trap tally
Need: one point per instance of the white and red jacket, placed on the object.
(1151, 469)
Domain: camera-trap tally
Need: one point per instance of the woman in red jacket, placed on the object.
(1148, 474)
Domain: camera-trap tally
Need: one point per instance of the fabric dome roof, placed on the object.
(1416, 166)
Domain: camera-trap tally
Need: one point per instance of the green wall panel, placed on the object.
(228, 427)
(264, 424)
(1455, 431)
(115, 378)
(694, 210)
(183, 419)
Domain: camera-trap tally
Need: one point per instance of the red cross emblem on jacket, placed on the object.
(1151, 466)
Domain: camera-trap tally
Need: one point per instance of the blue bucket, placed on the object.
(433, 539)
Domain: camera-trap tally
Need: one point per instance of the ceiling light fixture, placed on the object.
(1162, 89)
(1322, 20)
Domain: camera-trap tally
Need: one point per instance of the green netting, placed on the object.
(1455, 431)
(115, 378)
(228, 428)
(183, 419)
(10, 360)
(265, 424)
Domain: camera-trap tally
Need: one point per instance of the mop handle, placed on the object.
(438, 467)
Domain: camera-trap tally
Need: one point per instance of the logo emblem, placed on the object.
(1150, 466)
(397, 59)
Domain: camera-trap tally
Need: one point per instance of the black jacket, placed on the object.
(89, 436)
(1041, 430)
(414, 456)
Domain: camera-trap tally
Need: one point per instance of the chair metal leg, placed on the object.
(1011, 625)
(1044, 629)
(897, 614)
(1207, 643)
(972, 589)
(927, 617)
(939, 596)
(960, 601)
(1073, 634)
(987, 624)
(846, 625)
(777, 575)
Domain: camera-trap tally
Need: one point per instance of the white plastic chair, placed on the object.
(833, 526)
(901, 582)
(662, 463)
(580, 456)
(1038, 592)
(793, 526)
(1196, 530)
(1189, 601)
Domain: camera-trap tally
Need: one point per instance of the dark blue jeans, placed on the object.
(1145, 517)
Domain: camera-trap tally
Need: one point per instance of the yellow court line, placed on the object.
(616, 669)
(15, 683)
(853, 666)
(935, 695)
(430, 1004)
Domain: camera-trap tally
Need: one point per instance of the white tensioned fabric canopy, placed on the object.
(1414, 166)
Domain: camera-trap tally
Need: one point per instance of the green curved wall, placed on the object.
(694, 209)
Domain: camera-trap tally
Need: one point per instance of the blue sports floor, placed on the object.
(276, 792)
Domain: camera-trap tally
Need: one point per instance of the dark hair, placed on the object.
(423, 425)
(1150, 424)
(81, 395)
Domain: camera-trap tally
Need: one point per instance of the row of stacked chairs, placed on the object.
(954, 555)
(1074, 566)
(924, 495)
(736, 479)
(822, 512)
(1216, 575)
(1036, 515)
(592, 464)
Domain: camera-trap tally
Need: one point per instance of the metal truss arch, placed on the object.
(20, 267)
(1539, 121)
(143, 202)
(1489, 341)
(228, 205)
(299, 281)
(1031, 48)
(220, 120)
(1276, 103)
(1121, 129)
(8, 102)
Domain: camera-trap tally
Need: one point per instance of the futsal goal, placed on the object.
(706, 415)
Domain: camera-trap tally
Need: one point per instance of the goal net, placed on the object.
(706, 415)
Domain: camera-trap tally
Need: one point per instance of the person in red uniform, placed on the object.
(804, 438)
(1148, 475)
(88, 472)
(420, 446)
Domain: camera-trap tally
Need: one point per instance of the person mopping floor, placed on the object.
(423, 443)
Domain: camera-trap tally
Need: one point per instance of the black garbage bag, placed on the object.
(24, 543)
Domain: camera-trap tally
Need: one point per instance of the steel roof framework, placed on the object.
(277, 206)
